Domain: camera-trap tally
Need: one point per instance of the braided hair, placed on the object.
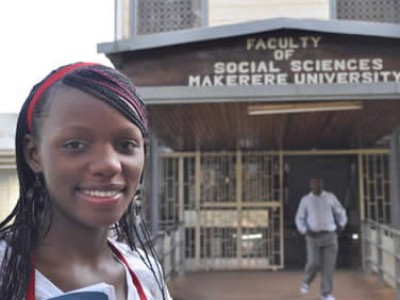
(30, 219)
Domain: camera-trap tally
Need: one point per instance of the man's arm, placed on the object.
(339, 213)
(301, 216)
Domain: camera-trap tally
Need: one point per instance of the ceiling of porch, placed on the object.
(228, 126)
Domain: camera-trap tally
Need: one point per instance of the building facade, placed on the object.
(248, 112)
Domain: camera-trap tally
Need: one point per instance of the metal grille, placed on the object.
(218, 215)
(158, 16)
(176, 190)
(177, 195)
(189, 203)
(230, 203)
(261, 176)
(218, 234)
(218, 178)
(169, 209)
(376, 182)
(369, 10)
(261, 238)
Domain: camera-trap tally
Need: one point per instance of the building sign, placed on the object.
(282, 67)
(277, 58)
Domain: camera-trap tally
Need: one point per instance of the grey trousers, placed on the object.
(321, 256)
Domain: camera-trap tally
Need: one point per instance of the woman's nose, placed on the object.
(105, 161)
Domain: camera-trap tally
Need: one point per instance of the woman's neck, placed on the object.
(74, 242)
(73, 257)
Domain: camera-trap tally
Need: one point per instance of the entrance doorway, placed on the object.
(340, 177)
(238, 208)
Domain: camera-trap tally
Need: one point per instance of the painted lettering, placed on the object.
(282, 42)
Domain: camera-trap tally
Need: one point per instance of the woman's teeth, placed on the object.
(100, 194)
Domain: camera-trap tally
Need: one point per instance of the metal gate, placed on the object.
(231, 205)
(375, 199)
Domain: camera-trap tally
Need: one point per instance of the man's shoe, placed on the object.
(304, 288)
(327, 297)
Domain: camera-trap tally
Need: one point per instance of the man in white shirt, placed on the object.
(318, 217)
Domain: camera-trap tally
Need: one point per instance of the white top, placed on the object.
(45, 289)
(320, 213)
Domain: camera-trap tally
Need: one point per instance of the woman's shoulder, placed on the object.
(135, 257)
(125, 250)
(146, 268)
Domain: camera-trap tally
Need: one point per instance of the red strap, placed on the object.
(30, 295)
(135, 280)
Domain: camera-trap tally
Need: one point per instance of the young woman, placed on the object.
(80, 151)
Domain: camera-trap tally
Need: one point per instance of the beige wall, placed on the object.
(8, 191)
(234, 11)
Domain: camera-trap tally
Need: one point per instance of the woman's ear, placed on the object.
(31, 153)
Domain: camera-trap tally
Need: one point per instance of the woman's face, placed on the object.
(91, 157)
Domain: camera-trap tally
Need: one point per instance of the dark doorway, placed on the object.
(340, 177)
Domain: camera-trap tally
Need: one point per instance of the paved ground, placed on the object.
(282, 285)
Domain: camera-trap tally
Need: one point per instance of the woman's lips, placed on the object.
(101, 196)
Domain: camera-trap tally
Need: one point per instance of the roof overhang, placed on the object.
(309, 92)
(166, 39)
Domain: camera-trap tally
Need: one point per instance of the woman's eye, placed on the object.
(74, 145)
(127, 146)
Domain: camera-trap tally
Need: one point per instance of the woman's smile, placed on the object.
(101, 196)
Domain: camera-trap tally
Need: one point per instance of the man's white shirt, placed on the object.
(320, 213)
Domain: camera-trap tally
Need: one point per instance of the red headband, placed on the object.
(48, 83)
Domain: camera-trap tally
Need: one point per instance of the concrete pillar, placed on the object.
(394, 160)
(154, 183)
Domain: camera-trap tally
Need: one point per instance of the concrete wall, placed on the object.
(8, 175)
(8, 191)
(234, 11)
